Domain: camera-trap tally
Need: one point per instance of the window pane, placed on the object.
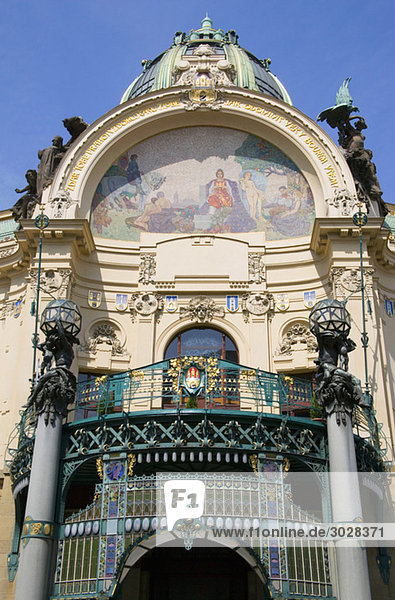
(203, 341)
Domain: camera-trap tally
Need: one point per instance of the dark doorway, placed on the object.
(197, 574)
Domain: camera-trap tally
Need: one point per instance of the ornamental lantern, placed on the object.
(330, 316)
(65, 311)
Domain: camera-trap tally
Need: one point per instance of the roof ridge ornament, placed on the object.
(205, 74)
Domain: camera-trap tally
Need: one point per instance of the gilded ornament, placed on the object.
(254, 462)
(35, 528)
(131, 462)
(99, 467)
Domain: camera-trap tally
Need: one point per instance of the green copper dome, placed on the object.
(249, 72)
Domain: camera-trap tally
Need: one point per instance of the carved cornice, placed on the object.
(327, 229)
(76, 232)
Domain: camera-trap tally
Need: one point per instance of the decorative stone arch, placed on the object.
(184, 324)
(315, 154)
(104, 345)
(136, 551)
(297, 346)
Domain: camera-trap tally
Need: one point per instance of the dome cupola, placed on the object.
(236, 66)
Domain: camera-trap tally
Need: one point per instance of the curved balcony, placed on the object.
(236, 412)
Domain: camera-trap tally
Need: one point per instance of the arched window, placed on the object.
(202, 341)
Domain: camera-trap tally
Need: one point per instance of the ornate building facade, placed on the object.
(195, 225)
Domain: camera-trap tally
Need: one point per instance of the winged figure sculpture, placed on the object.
(335, 115)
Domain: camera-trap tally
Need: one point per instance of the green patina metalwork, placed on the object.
(242, 413)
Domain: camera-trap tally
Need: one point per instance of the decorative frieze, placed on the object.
(202, 308)
(9, 251)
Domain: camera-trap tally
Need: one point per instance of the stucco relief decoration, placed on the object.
(256, 268)
(345, 281)
(102, 336)
(146, 304)
(55, 282)
(147, 268)
(342, 203)
(59, 204)
(204, 180)
(297, 336)
(257, 304)
(202, 309)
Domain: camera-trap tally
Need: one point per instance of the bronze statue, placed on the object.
(58, 346)
(57, 385)
(358, 157)
(49, 160)
(24, 207)
(337, 391)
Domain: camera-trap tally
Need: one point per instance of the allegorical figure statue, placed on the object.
(49, 159)
(75, 126)
(24, 207)
(358, 157)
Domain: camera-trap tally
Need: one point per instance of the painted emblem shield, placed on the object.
(389, 307)
(171, 303)
(282, 302)
(309, 299)
(17, 308)
(232, 303)
(193, 380)
(121, 302)
(94, 299)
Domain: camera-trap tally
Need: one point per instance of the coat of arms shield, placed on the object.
(192, 380)
(121, 302)
(389, 307)
(309, 299)
(282, 302)
(232, 303)
(171, 303)
(94, 299)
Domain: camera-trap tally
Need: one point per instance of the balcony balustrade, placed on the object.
(225, 386)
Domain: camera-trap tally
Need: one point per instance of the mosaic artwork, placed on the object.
(203, 180)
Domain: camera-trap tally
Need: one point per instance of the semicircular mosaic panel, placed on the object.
(203, 180)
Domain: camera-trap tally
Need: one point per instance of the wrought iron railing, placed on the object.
(226, 385)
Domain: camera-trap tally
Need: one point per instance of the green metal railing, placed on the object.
(226, 385)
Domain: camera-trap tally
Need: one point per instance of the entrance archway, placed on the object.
(203, 573)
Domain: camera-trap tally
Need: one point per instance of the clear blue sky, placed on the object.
(76, 57)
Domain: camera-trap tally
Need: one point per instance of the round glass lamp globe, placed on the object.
(68, 314)
(330, 316)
